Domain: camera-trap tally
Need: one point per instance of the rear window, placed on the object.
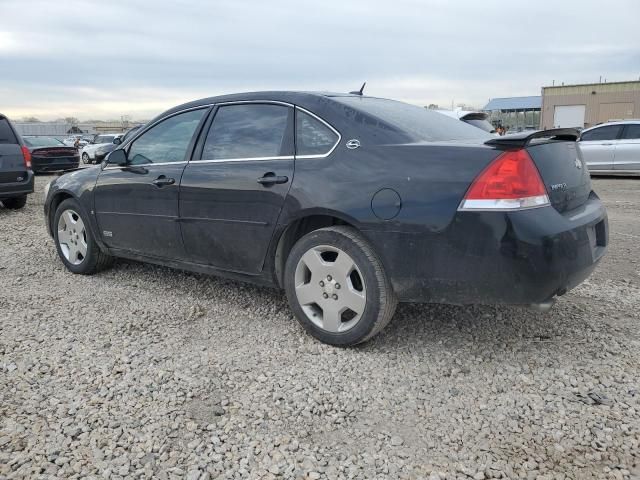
(415, 121)
(481, 124)
(6, 133)
(42, 141)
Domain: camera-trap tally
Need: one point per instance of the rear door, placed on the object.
(231, 195)
(598, 147)
(137, 205)
(628, 149)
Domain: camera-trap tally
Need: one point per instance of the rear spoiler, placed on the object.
(521, 140)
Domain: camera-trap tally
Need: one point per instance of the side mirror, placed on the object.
(117, 157)
(117, 140)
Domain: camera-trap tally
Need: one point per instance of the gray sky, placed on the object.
(102, 59)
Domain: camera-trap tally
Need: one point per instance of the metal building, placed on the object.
(585, 105)
(516, 113)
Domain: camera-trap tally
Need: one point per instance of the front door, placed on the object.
(598, 147)
(136, 205)
(232, 195)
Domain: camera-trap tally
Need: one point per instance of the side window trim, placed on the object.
(199, 149)
(324, 155)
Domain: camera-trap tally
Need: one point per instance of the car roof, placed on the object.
(294, 97)
(617, 122)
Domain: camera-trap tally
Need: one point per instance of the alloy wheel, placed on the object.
(72, 237)
(330, 288)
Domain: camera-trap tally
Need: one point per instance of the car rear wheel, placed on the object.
(337, 287)
(15, 203)
(74, 241)
(85, 158)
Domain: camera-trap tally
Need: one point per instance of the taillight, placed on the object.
(26, 153)
(510, 182)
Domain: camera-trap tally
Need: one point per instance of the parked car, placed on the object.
(612, 148)
(49, 154)
(16, 176)
(389, 202)
(100, 141)
(103, 151)
(476, 119)
(81, 139)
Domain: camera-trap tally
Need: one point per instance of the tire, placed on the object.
(15, 203)
(337, 287)
(75, 244)
(85, 158)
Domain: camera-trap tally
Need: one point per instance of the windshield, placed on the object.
(482, 124)
(416, 121)
(105, 138)
(42, 141)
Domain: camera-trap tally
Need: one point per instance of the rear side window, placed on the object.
(609, 132)
(417, 122)
(312, 136)
(632, 132)
(249, 131)
(6, 133)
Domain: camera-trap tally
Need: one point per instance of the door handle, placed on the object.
(271, 178)
(161, 181)
(607, 144)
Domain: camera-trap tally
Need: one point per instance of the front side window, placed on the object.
(312, 136)
(609, 132)
(632, 131)
(248, 131)
(167, 141)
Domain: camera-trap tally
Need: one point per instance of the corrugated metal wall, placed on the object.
(603, 101)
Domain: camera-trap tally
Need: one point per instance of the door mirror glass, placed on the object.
(117, 140)
(117, 157)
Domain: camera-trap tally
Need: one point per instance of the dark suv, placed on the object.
(16, 176)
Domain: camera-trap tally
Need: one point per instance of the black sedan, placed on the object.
(49, 154)
(349, 203)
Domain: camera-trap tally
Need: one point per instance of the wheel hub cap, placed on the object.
(72, 237)
(330, 288)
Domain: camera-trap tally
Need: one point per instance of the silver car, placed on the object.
(612, 148)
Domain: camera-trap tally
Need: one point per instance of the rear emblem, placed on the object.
(578, 164)
(353, 144)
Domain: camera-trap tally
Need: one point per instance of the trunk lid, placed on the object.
(564, 173)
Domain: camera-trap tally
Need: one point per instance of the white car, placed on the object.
(71, 141)
(612, 148)
(473, 118)
(89, 151)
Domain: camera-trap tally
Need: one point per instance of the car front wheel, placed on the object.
(85, 158)
(337, 287)
(74, 241)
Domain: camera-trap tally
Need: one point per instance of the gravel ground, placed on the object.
(143, 371)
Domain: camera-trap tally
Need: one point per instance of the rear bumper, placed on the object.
(17, 189)
(519, 257)
(54, 164)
